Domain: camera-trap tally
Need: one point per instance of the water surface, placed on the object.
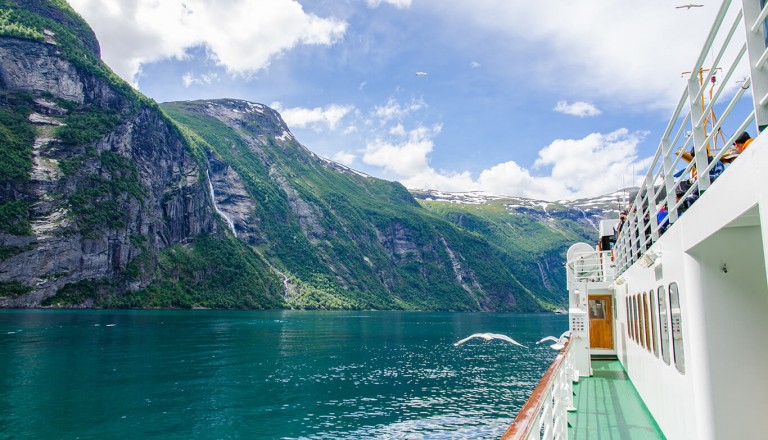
(255, 374)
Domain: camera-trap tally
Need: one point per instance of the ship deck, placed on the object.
(609, 408)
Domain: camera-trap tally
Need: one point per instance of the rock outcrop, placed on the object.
(137, 189)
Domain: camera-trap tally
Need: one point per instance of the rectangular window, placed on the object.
(629, 319)
(641, 321)
(638, 335)
(646, 323)
(632, 323)
(596, 309)
(654, 319)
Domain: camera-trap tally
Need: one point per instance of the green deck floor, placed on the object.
(608, 407)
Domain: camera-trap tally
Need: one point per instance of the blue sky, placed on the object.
(547, 99)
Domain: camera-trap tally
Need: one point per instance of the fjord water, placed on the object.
(265, 374)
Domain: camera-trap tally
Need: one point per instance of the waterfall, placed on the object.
(216, 207)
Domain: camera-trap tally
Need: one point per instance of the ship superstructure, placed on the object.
(675, 292)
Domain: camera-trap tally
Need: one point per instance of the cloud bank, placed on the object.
(399, 149)
(240, 35)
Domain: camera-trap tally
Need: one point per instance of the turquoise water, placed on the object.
(256, 374)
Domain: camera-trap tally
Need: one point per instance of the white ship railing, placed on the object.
(692, 126)
(545, 415)
(591, 267)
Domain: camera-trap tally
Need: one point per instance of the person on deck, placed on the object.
(742, 142)
(661, 219)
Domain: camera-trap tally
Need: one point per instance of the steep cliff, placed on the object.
(101, 182)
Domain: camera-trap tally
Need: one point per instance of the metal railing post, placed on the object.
(668, 174)
(756, 49)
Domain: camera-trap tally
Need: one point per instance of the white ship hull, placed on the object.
(716, 254)
(683, 308)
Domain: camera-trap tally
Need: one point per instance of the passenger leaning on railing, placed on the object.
(742, 142)
(714, 172)
(661, 219)
(739, 145)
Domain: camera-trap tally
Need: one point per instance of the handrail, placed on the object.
(545, 415)
(665, 186)
(594, 266)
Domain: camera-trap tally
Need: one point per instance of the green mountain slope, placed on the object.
(341, 238)
(535, 234)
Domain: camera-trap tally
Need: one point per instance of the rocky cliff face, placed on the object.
(94, 203)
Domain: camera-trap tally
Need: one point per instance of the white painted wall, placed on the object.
(735, 317)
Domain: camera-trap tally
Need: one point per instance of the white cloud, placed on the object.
(399, 4)
(318, 118)
(565, 169)
(398, 130)
(344, 158)
(475, 65)
(600, 48)
(189, 79)
(394, 110)
(406, 158)
(240, 35)
(580, 108)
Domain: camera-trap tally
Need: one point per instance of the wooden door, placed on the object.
(601, 321)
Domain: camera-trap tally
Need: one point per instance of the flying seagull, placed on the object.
(689, 6)
(421, 73)
(559, 343)
(488, 337)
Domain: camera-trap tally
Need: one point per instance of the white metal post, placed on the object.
(754, 22)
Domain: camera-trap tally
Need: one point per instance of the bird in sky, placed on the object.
(488, 337)
(421, 73)
(688, 6)
(559, 343)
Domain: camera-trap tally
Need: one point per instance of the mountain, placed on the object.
(535, 232)
(102, 201)
(108, 199)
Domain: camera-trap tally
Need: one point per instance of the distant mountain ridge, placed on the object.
(608, 204)
(108, 199)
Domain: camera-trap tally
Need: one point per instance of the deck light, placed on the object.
(649, 258)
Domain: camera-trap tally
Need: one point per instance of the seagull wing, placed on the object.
(548, 338)
(566, 334)
(505, 338)
(476, 335)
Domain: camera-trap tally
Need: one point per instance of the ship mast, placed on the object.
(711, 119)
